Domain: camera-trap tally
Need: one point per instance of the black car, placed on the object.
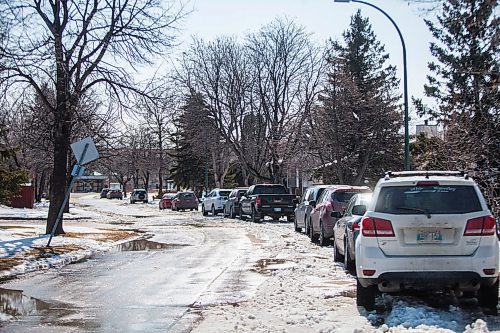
(104, 192)
(232, 205)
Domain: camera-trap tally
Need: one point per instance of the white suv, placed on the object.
(427, 231)
(214, 201)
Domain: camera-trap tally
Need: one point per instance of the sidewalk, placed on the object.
(23, 240)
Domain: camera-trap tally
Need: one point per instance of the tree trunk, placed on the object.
(59, 174)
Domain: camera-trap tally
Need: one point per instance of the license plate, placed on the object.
(429, 236)
(277, 209)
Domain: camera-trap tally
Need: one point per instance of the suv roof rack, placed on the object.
(425, 173)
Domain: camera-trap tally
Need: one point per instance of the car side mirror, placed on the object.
(359, 210)
(312, 203)
(336, 214)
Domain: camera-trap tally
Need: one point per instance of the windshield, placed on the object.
(224, 193)
(449, 199)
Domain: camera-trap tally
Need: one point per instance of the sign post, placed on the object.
(85, 151)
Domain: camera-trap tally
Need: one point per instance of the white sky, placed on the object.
(324, 19)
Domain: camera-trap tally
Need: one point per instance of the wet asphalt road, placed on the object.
(151, 285)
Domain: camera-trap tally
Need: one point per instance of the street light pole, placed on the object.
(405, 81)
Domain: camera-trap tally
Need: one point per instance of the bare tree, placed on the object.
(256, 94)
(79, 46)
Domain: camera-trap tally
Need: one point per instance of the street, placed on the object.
(189, 273)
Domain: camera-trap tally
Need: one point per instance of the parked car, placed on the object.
(166, 201)
(427, 231)
(185, 200)
(232, 205)
(304, 207)
(214, 201)
(114, 194)
(104, 192)
(263, 200)
(333, 199)
(139, 195)
(346, 230)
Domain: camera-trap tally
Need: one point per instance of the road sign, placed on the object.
(85, 151)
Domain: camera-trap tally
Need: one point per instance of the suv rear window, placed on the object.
(442, 199)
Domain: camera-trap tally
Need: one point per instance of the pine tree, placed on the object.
(465, 86)
(10, 177)
(359, 107)
(190, 162)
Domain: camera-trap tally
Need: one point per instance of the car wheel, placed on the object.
(289, 218)
(241, 214)
(203, 211)
(231, 213)
(132, 201)
(365, 297)
(145, 201)
(214, 212)
(348, 262)
(322, 240)
(337, 257)
(488, 297)
(255, 216)
(297, 229)
(312, 236)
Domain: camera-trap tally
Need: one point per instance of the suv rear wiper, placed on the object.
(425, 211)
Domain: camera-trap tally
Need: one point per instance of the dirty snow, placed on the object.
(293, 285)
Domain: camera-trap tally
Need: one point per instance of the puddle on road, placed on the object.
(145, 245)
(264, 266)
(14, 303)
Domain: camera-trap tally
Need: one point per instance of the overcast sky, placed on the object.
(324, 19)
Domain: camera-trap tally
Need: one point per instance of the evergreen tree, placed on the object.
(10, 177)
(465, 86)
(359, 113)
(190, 159)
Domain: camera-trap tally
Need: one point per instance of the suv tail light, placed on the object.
(258, 201)
(480, 226)
(375, 227)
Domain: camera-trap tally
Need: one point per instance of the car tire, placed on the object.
(203, 211)
(290, 218)
(231, 213)
(145, 201)
(312, 236)
(348, 262)
(337, 257)
(487, 297)
(214, 212)
(322, 241)
(297, 229)
(255, 216)
(365, 297)
(132, 201)
(241, 214)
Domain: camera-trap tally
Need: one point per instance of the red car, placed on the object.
(327, 209)
(166, 201)
(185, 200)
